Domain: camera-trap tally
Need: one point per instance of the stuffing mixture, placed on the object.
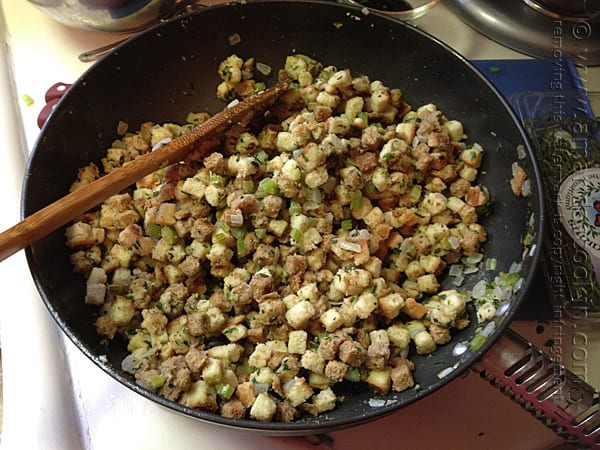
(302, 252)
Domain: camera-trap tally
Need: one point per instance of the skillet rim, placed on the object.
(301, 427)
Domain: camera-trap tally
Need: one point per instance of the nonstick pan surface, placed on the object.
(171, 69)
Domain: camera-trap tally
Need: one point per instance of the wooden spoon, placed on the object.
(64, 210)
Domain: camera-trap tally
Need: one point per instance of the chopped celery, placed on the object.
(153, 230)
(241, 246)
(296, 235)
(220, 236)
(415, 193)
(510, 279)
(295, 208)
(243, 368)
(491, 264)
(356, 200)
(168, 234)
(267, 186)
(217, 180)
(477, 342)
(248, 186)
(238, 232)
(27, 99)
(156, 381)
(225, 391)
(261, 157)
(352, 374)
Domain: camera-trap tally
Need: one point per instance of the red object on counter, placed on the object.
(52, 97)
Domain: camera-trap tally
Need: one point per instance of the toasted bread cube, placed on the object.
(332, 319)
(380, 379)
(246, 393)
(428, 283)
(325, 400)
(297, 341)
(312, 361)
(260, 356)
(299, 315)
(213, 371)
(235, 333)
(365, 305)
(264, 407)
(424, 343)
(399, 336)
(201, 395)
(391, 305)
(298, 391)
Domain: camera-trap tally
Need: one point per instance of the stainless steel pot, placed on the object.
(135, 15)
(110, 15)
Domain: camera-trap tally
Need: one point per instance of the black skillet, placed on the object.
(171, 69)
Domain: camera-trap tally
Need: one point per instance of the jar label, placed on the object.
(579, 211)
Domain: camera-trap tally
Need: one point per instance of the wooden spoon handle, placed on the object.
(62, 211)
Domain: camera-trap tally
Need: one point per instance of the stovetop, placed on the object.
(538, 28)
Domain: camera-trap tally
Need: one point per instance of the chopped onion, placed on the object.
(351, 246)
(500, 292)
(526, 189)
(263, 68)
(459, 349)
(488, 329)
(456, 270)
(514, 168)
(443, 373)
(532, 250)
(472, 260)
(479, 289)
(233, 103)
(129, 364)
(406, 245)
(360, 234)
(160, 143)
(236, 220)
(289, 385)
(458, 281)
(454, 242)
(502, 308)
(514, 267)
(518, 284)
(314, 195)
(122, 128)
(234, 39)
(260, 388)
(376, 402)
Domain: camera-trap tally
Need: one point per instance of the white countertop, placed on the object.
(54, 398)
